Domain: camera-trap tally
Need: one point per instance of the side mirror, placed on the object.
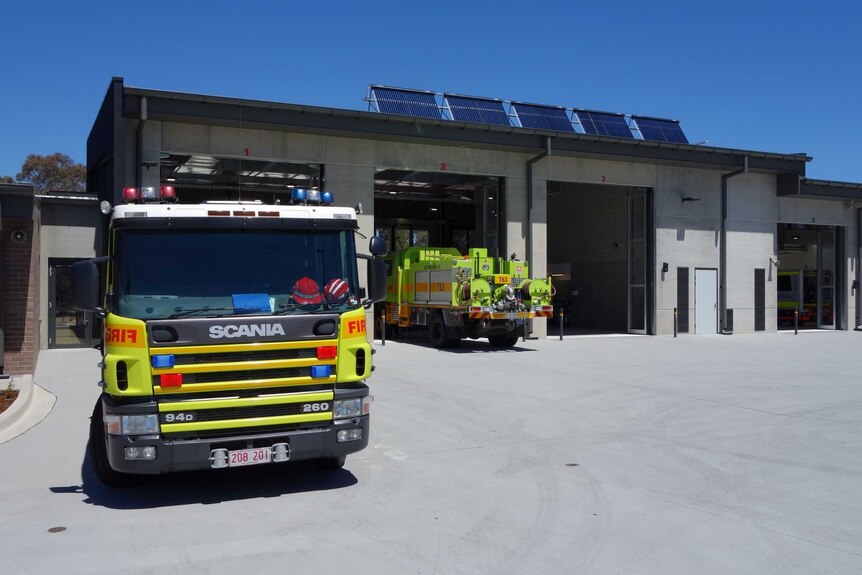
(85, 286)
(376, 281)
(377, 246)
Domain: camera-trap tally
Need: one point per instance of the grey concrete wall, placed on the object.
(687, 234)
(517, 218)
(349, 175)
(751, 244)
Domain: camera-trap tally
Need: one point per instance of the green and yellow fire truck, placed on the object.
(234, 334)
(455, 296)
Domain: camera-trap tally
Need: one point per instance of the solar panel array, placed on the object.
(406, 102)
(660, 130)
(604, 124)
(479, 110)
(542, 117)
(424, 104)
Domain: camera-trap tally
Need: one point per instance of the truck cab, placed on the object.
(235, 334)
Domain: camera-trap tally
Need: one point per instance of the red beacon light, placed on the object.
(130, 195)
(169, 194)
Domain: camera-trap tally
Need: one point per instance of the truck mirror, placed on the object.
(376, 281)
(85, 285)
(377, 246)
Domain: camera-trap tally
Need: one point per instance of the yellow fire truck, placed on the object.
(455, 296)
(234, 334)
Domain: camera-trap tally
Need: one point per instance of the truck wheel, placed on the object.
(331, 463)
(437, 330)
(99, 453)
(505, 340)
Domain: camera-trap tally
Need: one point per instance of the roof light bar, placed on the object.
(306, 197)
(164, 194)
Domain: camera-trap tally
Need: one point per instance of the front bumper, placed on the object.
(190, 455)
(174, 455)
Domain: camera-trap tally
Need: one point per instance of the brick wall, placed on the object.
(20, 297)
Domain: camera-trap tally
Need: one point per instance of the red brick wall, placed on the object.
(20, 297)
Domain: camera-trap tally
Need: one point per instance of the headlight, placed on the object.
(344, 408)
(140, 424)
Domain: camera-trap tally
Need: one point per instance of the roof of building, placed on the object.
(200, 108)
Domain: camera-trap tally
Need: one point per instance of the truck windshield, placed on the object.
(200, 273)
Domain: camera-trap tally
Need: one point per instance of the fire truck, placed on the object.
(235, 334)
(454, 296)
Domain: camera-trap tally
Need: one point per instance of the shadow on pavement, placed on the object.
(208, 487)
(466, 345)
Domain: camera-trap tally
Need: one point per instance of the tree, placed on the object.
(55, 172)
(6, 180)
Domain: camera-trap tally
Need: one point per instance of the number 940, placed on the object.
(175, 417)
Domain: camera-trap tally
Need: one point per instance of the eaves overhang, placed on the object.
(819, 189)
(67, 198)
(257, 114)
(17, 189)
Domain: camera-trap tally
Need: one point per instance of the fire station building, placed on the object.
(641, 231)
(638, 228)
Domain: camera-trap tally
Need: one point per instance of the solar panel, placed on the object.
(660, 130)
(604, 124)
(542, 117)
(405, 102)
(480, 110)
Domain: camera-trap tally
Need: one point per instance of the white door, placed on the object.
(705, 301)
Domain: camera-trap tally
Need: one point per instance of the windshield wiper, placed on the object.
(287, 308)
(192, 311)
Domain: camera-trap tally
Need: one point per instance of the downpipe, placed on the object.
(139, 143)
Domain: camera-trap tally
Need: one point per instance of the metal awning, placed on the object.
(791, 186)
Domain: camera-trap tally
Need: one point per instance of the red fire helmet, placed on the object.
(306, 291)
(335, 291)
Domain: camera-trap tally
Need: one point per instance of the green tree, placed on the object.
(55, 172)
(7, 180)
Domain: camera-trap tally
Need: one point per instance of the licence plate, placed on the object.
(253, 456)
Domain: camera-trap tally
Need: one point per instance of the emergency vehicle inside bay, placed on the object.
(638, 230)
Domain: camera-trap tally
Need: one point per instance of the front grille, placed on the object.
(255, 392)
(233, 357)
(246, 375)
(249, 412)
(243, 375)
(235, 431)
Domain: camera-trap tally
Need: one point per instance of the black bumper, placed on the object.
(190, 455)
(312, 442)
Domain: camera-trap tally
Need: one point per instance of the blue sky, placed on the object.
(770, 76)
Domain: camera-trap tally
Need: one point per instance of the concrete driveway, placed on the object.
(709, 454)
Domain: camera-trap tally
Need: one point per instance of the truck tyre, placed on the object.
(438, 332)
(504, 340)
(99, 453)
(331, 463)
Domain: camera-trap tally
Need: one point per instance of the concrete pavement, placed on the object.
(724, 454)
